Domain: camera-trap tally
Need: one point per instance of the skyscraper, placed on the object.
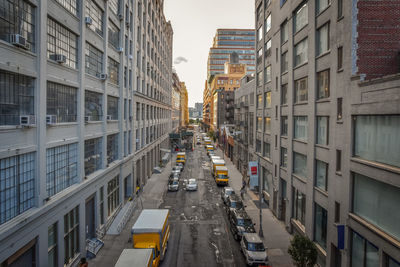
(227, 42)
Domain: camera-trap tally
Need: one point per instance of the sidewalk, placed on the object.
(150, 198)
(276, 238)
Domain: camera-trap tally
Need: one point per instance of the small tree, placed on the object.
(303, 251)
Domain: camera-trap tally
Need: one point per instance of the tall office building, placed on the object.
(327, 124)
(227, 42)
(85, 107)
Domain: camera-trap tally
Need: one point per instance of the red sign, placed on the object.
(253, 170)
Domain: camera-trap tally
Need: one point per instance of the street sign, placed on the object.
(253, 171)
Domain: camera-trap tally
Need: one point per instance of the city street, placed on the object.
(200, 234)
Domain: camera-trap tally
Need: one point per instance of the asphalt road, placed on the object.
(200, 234)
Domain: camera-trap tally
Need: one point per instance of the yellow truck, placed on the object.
(215, 163)
(136, 257)
(151, 230)
(181, 157)
(209, 148)
(221, 175)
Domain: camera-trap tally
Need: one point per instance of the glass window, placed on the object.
(71, 235)
(299, 204)
(392, 262)
(93, 60)
(284, 32)
(321, 5)
(61, 42)
(114, 6)
(96, 14)
(320, 226)
(267, 74)
(301, 127)
(323, 84)
(113, 194)
(301, 90)
(267, 150)
(267, 124)
(93, 155)
(363, 253)
(284, 125)
(17, 97)
(70, 5)
(321, 179)
(259, 78)
(267, 99)
(301, 52)
(284, 94)
(112, 147)
(300, 164)
(259, 56)
(267, 48)
(340, 8)
(300, 18)
(260, 12)
(61, 168)
(17, 17)
(259, 101)
(258, 145)
(268, 23)
(323, 39)
(113, 71)
(259, 34)
(322, 130)
(259, 124)
(265, 176)
(340, 58)
(52, 245)
(112, 107)
(113, 34)
(284, 157)
(374, 200)
(17, 185)
(284, 62)
(62, 102)
(93, 106)
(377, 138)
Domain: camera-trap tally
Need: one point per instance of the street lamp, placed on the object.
(260, 232)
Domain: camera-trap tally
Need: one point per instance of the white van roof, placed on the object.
(181, 153)
(150, 220)
(218, 161)
(135, 257)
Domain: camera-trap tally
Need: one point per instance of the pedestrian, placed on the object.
(83, 263)
(242, 191)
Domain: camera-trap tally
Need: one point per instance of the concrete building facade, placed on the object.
(320, 129)
(184, 105)
(85, 109)
(176, 102)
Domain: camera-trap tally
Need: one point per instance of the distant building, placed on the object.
(184, 105)
(176, 102)
(228, 41)
(199, 108)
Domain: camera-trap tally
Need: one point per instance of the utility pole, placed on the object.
(260, 232)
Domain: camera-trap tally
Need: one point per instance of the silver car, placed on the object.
(226, 192)
(173, 185)
(253, 249)
(191, 185)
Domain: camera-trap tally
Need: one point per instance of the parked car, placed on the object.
(253, 249)
(226, 192)
(191, 185)
(181, 165)
(177, 168)
(173, 176)
(240, 223)
(234, 202)
(173, 185)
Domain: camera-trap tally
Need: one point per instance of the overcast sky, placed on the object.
(194, 23)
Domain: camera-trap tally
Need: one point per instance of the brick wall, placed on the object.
(378, 37)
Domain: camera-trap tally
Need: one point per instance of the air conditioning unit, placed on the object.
(120, 16)
(27, 120)
(130, 118)
(18, 40)
(130, 57)
(88, 20)
(109, 117)
(51, 119)
(59, 58)
(120, 49)
(88, 118)
(127, 24)
(103, 76)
